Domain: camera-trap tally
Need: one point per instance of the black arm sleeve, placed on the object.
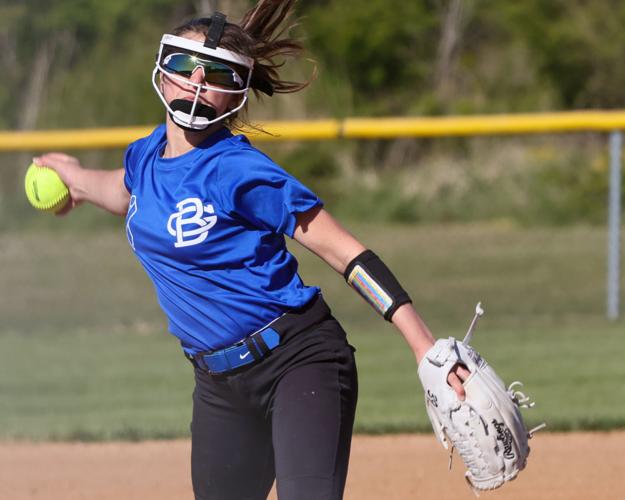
(372, 279)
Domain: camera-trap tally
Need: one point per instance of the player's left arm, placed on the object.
(320, 233)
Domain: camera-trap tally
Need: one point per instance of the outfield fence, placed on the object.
(611, 122)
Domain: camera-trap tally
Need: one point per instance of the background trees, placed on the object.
(87, 63)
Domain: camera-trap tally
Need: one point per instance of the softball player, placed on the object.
(206, 214)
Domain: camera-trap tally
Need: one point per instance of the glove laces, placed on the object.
(523, 401)
(467, 446)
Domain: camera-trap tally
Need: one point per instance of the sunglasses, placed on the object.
(215, 73)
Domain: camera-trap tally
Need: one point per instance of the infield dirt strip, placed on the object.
(561, 466)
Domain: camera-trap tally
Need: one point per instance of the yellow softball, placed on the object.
(44, 189)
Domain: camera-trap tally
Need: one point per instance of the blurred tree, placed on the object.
(87, 62)
(575, 46)
(381, 51)
(453, 24)
(60, 55)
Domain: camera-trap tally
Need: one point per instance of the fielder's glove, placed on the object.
(486, 428)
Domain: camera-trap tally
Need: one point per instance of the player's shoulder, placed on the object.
(140, 147)
(239, 145)
(156, 136)
(240, 158)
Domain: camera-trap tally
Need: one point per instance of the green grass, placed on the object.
(84, 353)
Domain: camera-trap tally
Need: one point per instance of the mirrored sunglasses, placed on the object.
(215, 72)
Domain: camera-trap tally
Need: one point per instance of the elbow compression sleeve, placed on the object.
(370, 277)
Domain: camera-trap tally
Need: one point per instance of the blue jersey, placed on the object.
(208, 227)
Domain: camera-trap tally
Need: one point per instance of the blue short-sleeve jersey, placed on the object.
(208, 227)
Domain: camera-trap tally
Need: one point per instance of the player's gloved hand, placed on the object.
(486, 426)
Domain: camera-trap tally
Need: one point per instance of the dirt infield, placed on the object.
(562, 467)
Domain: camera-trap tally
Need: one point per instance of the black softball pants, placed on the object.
(287, 417)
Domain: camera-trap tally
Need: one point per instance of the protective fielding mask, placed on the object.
(180, 57)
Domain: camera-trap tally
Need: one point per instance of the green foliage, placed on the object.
(535, 181)
(575, 48)
(514, 56)
(377, 49)
(563, 193)
(96, 57)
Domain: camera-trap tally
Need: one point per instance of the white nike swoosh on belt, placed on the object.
(243, 356)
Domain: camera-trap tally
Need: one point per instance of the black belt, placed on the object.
(260, 343)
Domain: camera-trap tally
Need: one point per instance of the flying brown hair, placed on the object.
(264, 35)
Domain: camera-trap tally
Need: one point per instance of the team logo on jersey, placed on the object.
(132, 210)
(190, 224)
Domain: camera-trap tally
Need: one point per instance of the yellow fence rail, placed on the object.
(349, 128)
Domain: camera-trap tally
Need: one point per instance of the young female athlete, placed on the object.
(206, 214)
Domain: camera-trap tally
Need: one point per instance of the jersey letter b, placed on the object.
(189, 224)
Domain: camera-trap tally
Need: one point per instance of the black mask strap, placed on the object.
(215, 30)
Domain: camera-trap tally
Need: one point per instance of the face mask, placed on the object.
(192, 115)
(179, 57)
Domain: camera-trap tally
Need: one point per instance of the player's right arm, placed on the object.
(103, 188)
